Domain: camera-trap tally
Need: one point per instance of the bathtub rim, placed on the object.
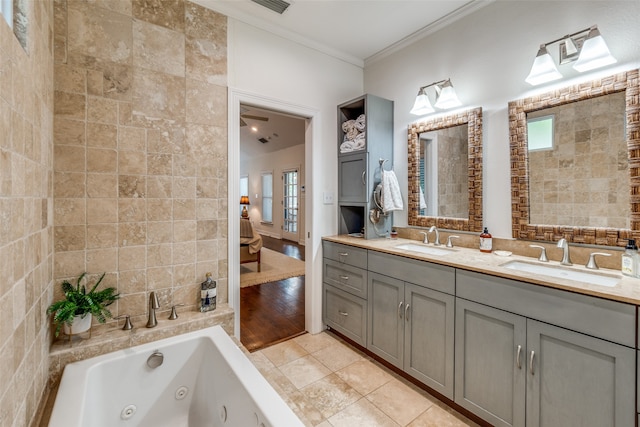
(74, 381)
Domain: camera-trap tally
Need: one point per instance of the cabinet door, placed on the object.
(352, 178)
(428, 337)
(577, 380)
(490, 363)
(386, 318)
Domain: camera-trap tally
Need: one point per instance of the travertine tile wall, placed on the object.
(584, 179)
(26, 202)
(140, 142)
(453, 172)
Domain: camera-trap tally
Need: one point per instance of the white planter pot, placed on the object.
(79, 325)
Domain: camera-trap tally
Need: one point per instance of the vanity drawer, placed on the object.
(345, 277)
(433, 276)
(609, 320)
(345, 313)
(345, 254)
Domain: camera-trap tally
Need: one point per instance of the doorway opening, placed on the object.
(272, 292)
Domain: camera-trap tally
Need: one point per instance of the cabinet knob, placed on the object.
(344, 277)
(343, 313)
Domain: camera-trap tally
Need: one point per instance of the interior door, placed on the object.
(290, 201)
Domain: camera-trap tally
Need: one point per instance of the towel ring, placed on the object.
(382, 162)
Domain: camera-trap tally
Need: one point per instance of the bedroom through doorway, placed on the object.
(272, 280)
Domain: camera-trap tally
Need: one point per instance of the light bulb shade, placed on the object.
(244, 200)
(422, 105)
(594, 53)
(543, 69)
(447, 97)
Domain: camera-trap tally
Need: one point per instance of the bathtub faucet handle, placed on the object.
(127, 322)
(174, 312)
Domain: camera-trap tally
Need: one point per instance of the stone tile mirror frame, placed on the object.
(473, 119)
(522, 229)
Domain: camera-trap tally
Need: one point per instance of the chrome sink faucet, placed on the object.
(437, 241)
(426, 237)
(566, 258)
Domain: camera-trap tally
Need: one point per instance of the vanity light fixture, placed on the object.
(445, 98)
(586, 47)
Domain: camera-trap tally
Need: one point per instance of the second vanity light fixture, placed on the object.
(445, 98)
(586, 47)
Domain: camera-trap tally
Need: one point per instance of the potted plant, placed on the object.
(76, 310)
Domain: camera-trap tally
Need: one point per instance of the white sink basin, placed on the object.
(423, 249)
(564, 273)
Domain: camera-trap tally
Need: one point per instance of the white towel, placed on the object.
(360, 123)
(423, 204)
(391, 196)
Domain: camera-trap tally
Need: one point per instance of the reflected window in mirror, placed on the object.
(581, 186)
(445, 172)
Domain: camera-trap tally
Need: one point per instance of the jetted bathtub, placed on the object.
(199, 379)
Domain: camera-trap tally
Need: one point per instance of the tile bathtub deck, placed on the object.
(329, 384)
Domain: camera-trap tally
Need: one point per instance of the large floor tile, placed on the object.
(337, 356)
(361, 414)
(285, 352)
(364, 376)
(304, 371)
(437, 416)
(331, 395)
(399, 401)
(315, 342)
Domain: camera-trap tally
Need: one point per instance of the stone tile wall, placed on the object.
(26, 202)
(140, 148)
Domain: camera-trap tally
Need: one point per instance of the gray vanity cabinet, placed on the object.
(514, 368)
(352, 178)
(411, 324)
(490, 372)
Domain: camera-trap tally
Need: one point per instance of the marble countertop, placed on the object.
(627, 290)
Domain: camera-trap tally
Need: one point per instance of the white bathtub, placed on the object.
(204, 380)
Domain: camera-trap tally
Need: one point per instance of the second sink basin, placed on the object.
(564, 273)
(423, 249)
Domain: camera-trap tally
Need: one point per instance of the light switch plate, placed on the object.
(327, 197)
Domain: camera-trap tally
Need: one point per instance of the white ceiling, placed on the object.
(280, 130)
(356, 31)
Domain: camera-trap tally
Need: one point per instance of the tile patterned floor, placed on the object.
(329, 384)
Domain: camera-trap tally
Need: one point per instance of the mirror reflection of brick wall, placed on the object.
(584, 179)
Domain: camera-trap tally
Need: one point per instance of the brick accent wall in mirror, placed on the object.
(473, 119)
(626, 82)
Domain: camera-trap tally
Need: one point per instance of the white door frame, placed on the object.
(313, 302)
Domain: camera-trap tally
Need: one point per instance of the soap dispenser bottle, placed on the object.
(629, 259)
(486, 241)
(208, 294)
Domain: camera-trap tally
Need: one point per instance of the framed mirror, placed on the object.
(445, 172)
(577, 176)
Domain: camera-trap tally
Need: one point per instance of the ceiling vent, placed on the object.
(278, 6)
(263, 140)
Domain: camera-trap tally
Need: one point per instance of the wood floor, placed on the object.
(273, 312)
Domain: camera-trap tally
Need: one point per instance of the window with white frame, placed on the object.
(6, 9)
(267, 197)
(540, 133)
(244, 185)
